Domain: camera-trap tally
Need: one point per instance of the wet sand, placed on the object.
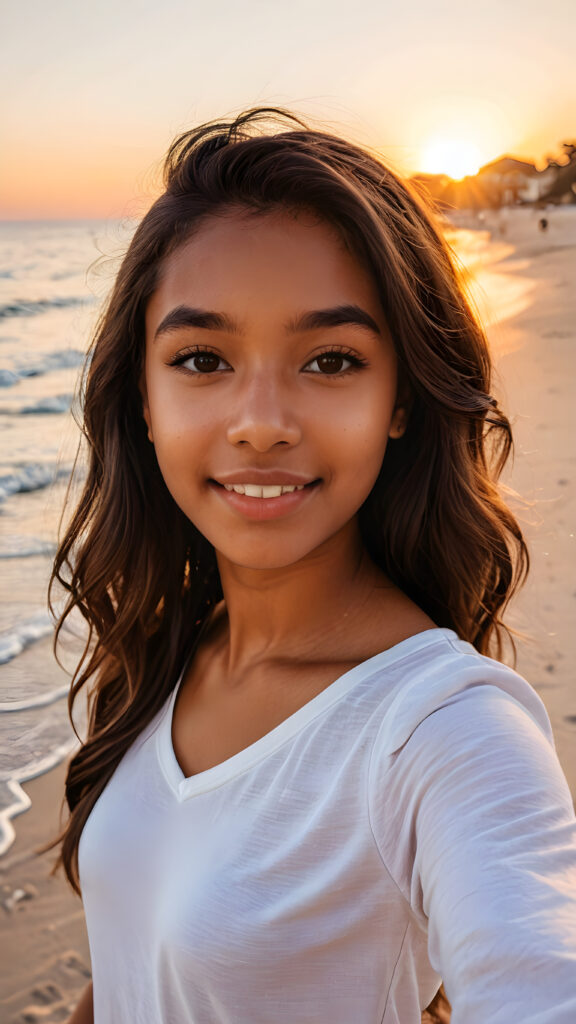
(43, 943)
(526, 280)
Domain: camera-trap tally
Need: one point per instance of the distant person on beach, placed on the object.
(309, 792)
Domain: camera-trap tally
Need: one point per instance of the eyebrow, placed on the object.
(186, 316)
(337, 316)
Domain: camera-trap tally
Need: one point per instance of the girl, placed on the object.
(307, 793)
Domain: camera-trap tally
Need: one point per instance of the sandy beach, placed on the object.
(523, 283)
(525, 289)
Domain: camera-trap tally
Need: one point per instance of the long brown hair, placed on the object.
(142, 576)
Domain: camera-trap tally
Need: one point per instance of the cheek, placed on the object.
(180, 431)
(361, 429)
(176, 418)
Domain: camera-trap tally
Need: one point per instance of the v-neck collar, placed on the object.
(185, 787)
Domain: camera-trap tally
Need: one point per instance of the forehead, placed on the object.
(273, 258)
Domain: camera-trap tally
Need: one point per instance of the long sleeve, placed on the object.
(474, 820)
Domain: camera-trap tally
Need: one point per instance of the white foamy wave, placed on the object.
(69, 358)
(35, 678)
(15, 546)
(8, 378)
(50, 404)
(34, 307)
(31, 744)
(16, 800)
(40, 700)
(30, 477)
(22, 635)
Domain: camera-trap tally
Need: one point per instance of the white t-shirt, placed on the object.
(410, 822)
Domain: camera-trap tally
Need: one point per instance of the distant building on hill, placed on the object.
(508, 181)
(504, 182)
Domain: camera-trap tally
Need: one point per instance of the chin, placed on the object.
(258, 561)
(264, 552)
(275, 553)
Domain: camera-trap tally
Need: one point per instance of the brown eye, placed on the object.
(206, 362)
(331, 363)
(202, 362)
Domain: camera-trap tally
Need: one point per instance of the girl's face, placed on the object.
(269, 388)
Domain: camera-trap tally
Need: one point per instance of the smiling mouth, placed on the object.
(262, 491)
(266, 490)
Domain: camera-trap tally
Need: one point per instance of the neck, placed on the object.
(294, 612)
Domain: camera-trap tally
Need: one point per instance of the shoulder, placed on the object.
(466, 795)
(441, 673)
(465, 746)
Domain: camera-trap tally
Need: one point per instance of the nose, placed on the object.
(263, 415)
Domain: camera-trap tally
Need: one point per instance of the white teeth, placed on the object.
(264, 491)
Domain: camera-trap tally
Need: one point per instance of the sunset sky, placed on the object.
(92, 94)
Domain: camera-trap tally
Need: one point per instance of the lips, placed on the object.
(269, 499)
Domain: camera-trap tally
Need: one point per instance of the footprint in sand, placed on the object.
(48, 993)
(72, 962)
(50, 1004)
(44, 1016)
(49, 1008)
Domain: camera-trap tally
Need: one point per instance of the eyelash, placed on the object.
(197, 350)
(356, 361)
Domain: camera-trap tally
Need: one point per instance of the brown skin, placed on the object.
(223, 708)
(266, 408)
(84, 1012)
(302, 602)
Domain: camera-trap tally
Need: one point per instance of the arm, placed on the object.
(481, 804)
(84, 1012)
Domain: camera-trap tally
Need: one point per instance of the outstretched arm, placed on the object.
(481, 804)
(84, 1012)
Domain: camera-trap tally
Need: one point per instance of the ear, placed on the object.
(401, 413)
(399, 422)
(145, 406)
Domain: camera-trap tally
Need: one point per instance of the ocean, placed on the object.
(53, 278)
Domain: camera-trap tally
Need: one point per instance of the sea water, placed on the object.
(53, 279)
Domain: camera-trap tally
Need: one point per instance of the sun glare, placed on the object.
(454, 158)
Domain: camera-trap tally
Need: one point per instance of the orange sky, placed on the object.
(92, 96)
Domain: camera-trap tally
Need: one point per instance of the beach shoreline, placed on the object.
(45, 955)
(531, 330)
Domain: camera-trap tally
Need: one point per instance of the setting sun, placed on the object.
(452, 157)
